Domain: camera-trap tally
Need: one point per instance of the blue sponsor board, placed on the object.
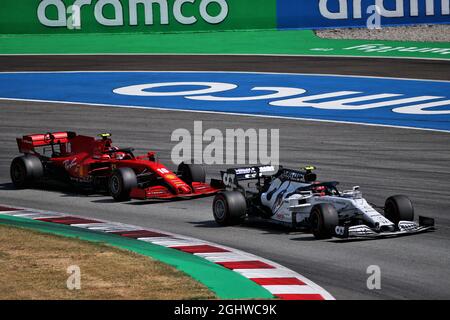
(307, 14)
(376, 101)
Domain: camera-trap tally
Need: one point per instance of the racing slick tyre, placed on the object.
(191, 173)
(399, 208)
(121, 182)
(323, 219)
(229, 208)
(26, 170)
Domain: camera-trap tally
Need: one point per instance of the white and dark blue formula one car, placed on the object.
(294, 198)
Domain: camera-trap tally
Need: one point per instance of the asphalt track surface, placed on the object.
(380, 67)
(383, 161)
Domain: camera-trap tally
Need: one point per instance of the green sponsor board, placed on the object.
(99, 16)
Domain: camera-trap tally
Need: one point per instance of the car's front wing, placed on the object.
(164, 193)
(404, 228)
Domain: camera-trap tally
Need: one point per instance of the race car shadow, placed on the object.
(271, 228)
(63, 189)
(266, 227)
(154, 201)
(7, 186)
(306, 237)
(104, 201)
(333, 240)
(353, 240)
(101, 197)
(70, 191)
(205, 224)
(135, 202)
(348, 240)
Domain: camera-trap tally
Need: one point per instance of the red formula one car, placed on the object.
(97, 165)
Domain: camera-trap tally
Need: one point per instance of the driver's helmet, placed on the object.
(120, 155)
(107, 147)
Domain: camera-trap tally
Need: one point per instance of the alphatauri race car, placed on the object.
(294, 198)
(97, 165)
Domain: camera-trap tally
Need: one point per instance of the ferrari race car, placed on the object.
(97, 165)
(294, 198)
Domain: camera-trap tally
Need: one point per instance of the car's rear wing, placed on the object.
(231, 177)
(249, 173)
(27, 143)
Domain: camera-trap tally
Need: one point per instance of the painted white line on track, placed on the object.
(228, 114)
(224, 256)
(276, 289)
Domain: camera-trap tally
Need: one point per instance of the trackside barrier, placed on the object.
(147, 16)
(307, 14)
(122, 16)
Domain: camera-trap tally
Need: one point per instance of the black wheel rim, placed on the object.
(314, 221)
(18, 173)
(115, 185)
(219, 209)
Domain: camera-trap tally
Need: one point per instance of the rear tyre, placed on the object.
(399, 208)
(26, 170)
(229, 208)
(323, 219)
(191, 173)
(121, 182)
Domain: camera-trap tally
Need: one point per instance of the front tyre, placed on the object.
(229, 208)
(121, 182)
(26, 170)
(192, 173)
(399, 208)
(323, 219)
